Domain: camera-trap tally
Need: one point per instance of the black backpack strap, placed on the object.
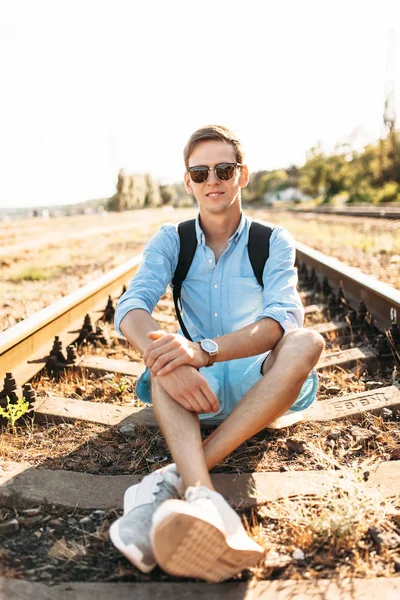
(188, 244)
(258, 248)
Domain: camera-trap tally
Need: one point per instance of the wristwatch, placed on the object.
(211, 348)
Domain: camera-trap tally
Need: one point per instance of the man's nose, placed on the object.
(212, 178)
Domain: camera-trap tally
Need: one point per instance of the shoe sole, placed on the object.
(131, 552)
(190, 547)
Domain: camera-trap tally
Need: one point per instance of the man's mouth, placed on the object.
(214, 194)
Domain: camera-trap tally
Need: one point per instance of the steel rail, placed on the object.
(382, 300)
(24, 346)
(383, 212)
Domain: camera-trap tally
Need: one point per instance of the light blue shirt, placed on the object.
(219, 297)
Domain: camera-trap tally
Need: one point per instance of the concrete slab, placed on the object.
(67, 489)
(346, 358)
(125, 367)
(313, 308)
(67, 409)
(331, 327)
(109, 365)
(341, 407)
(320, 589)
(354, 404)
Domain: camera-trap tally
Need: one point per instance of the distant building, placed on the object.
(290, 194)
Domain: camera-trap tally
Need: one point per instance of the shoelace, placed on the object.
(193, 493)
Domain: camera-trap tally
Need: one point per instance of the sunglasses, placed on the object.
(224, 172)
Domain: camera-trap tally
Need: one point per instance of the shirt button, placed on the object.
(210, 260)
(215, 285)
(215, 314)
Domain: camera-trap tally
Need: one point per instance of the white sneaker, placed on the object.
(203, 537)
(131, 532)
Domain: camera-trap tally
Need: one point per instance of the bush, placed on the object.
(362, 193)
(390, 192)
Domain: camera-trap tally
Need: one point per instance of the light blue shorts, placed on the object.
(230, 381)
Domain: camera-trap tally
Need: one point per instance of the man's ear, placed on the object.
(188, 183)
(244, 176)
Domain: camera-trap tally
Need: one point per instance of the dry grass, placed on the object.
(92, 448)
(82, 385)
(332, 531)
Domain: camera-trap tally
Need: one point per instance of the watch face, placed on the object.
(209, 345)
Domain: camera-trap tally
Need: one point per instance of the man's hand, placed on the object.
(190, 389)
(171, 350)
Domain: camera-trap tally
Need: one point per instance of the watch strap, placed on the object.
(212, 356)
(211, 359)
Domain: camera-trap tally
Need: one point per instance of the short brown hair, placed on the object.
(213, 132)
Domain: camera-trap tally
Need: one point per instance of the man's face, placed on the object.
(215, 196)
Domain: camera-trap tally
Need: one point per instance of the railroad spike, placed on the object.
(72, 354)
(56, 350)
(382, 346)
(317, 292)
(395, 331)
(326, 288)
(9, 390)
(98, 337)
(313, 277)
(362, 311)
(365, 318)
(87, 323)
(342, 296)
(334, 305)
(56, 362)
(352, 315)
(109, 312)
(30, 396)
(303, 272)
(87, 329)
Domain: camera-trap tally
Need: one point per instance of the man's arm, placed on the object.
(136, 325)
(168, 351)
(184, 384)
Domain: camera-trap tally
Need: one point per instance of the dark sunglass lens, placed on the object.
(198, 174)
(225, 171)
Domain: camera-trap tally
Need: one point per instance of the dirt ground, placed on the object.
(44, 260)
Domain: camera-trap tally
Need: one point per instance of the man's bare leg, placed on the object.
(285, 372)
(181, 429)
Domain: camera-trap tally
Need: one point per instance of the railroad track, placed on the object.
(374, 212)
(55, 510)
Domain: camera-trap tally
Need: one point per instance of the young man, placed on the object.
(250, 361)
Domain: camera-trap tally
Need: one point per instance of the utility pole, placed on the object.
(389, 114)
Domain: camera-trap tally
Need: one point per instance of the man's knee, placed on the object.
(304, 342)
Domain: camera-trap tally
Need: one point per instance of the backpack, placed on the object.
(258, 248)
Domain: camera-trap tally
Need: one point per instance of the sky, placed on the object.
(92, 86)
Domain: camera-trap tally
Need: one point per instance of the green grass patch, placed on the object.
(32, 274)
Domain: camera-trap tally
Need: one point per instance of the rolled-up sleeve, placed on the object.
(281, 300)
(160, 258)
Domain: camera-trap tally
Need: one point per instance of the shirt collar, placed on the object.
(201, 238)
